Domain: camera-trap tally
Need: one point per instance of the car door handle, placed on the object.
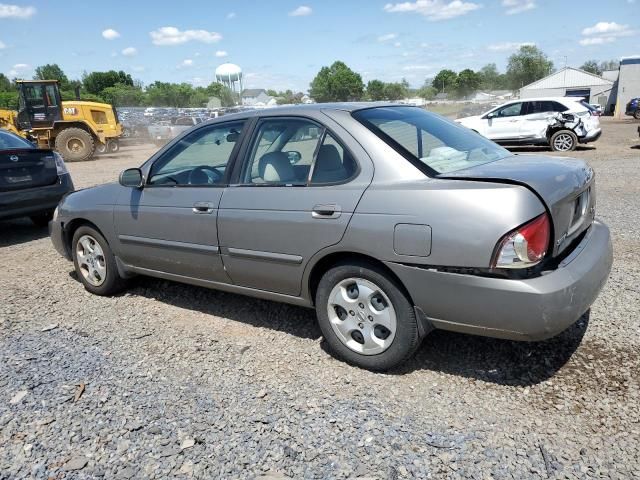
(203, 207)
(326, 211)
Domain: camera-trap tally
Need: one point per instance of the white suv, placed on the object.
(560, 122)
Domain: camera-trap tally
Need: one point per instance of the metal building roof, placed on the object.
(568, 77)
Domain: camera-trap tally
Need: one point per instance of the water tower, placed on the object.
(230, 76)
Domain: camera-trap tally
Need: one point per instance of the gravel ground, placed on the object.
(169, 380)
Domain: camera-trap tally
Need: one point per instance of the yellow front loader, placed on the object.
(74, 128)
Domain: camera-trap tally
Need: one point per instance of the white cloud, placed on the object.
(173, 36)
(301, 11)
(19, 69)
(608, 28)
(388, 36)
(605, 32)
(15, 11)
(415, 68)
(231, 15)
(397, 44)
(508, 46)
(221, 53)
(187, 63)
(138, 68)
(21, 66)
(110, 34)
(518, 6)
(2, 45)
(129, 52)
(585, 42)
(434, 10)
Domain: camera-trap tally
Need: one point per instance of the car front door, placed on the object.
(294, 195)
(170, 224)
(504, 123)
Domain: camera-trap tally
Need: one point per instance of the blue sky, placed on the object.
(282, 44)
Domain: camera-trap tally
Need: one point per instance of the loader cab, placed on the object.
(40, 104)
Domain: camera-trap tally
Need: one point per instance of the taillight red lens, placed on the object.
(525, 246)
(536, 234)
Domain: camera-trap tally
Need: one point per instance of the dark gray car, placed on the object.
(32, 180)
(390, 221)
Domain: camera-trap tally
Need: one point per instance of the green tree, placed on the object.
(396, 90)
(123, 95)
(527, 65)
(52, 72)
(468, 82)
(491, 79)
(609, 65)
(96, 82)
(375, 90)
(337, 83)
(163, 94)
(218, 90)
(272, 93)
(9, 100)
(5, 84)
(591, 66)
(445, 81)
(427, 91)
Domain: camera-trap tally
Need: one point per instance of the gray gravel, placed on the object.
(169, 380)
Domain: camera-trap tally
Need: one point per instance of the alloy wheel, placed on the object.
(91, 260)
(563, 142)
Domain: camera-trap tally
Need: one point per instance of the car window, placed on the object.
(283, 151)
(9, 141)
(512, 110)
(199, 158)
(445, 146)
(333, 162)
(545, 106)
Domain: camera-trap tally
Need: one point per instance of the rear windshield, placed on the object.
(9, 141)
(431, 142)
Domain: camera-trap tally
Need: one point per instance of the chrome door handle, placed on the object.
(326, 211)
(203, 207)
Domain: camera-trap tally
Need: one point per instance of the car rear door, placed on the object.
(295, 193)
(170, 225)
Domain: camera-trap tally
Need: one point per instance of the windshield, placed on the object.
(9, 141)
(431, 142)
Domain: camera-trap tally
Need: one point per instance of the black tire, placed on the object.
(75, 144)
(570, 137)
(42, 219)
(113, 146)
(637, 115)
(407, 338)
(113, 282)
(100, 148)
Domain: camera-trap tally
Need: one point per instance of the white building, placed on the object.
(573, 82)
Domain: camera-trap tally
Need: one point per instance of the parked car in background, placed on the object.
(32, 180)
(633, 108)
(161, 133)
(389, 220)
(560, 122)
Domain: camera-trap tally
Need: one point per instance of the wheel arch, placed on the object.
(59, 126)
(324, 263)
(72, 226)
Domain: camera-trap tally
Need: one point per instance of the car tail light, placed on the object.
(525, 246)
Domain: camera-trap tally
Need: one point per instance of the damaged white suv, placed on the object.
(560, 122)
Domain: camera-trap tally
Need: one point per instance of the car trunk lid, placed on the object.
(26, 168)
(565, 185)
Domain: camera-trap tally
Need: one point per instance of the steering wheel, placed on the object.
(205, 175)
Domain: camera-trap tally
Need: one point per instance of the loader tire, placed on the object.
(75, 144)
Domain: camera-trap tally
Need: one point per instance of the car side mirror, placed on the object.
(132, 177)
(491, 115)
(294, 156)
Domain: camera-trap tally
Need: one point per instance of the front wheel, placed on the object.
(95, 263)
(365, 317)
(563, 141)
(75, 144)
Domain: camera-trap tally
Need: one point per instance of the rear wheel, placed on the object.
(563, 141)
(101, 148)
(95, 263)
(42, 220)
(637, 115)
(365, 317)
(75, 144)
(113, 145)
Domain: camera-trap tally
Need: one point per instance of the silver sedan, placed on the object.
(388, 220)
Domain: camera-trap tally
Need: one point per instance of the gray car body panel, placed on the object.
(265, 242)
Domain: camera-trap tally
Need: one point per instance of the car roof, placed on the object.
(306, 108)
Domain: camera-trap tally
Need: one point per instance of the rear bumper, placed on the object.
(591, 136)
(34, 201)
(533, 309)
